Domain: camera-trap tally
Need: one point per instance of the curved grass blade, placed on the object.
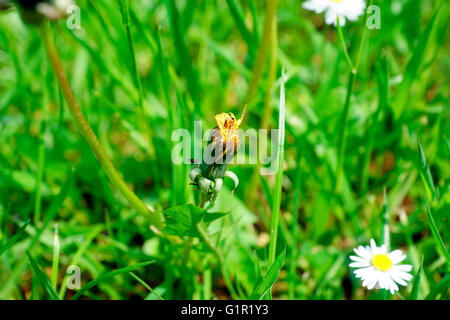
(425, 174)
(109, 275)
(265, 284)
(416, 284)
(277, 192)
(145, 285)
(42, 279)
(437, 237)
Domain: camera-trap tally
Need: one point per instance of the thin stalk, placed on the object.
(146, 286)
(342, 141)
(258, 65)
(278, 181)
(89, 135)
(344, 46)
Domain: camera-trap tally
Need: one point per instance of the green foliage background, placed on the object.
(195, 59)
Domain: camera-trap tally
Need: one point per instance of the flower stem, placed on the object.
(344, 46)
(88, 134)
(342, 140)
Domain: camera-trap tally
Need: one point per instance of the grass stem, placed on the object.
(278, 180)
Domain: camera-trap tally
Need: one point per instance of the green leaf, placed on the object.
(416, 284)
(266, 282)
(14, 238)
(182, 220)
(211, 216)
(437, 237)
(42, 279)
(109, 275)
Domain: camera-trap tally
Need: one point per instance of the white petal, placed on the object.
(363, 252)
(330, 17)
(359, 264)
(396, 256)
(403, 275)
(397, 278)
(373, 245)
(358, 259)
(391, 284)
(403, 267)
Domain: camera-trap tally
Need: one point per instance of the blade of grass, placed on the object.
(414, 295)
(265, 284)
(145, 285)
(279, 177)
(437, 237)
(425, 174)
(96, 230)
(45, 283)
(413, 66)
(109, 275)
(382, 75)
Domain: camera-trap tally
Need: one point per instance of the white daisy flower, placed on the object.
(379, 269)
(344, 9)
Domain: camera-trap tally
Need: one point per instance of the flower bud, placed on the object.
(194, 173)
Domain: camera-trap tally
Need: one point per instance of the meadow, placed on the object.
(93, 205)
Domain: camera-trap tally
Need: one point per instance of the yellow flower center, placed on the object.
(382, 262)
(337, 1)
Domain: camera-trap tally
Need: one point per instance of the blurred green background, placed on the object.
(196, 59)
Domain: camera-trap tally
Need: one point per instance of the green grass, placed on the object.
(351, 167)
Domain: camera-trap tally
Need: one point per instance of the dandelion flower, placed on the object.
(344, 9)
(378, 268)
